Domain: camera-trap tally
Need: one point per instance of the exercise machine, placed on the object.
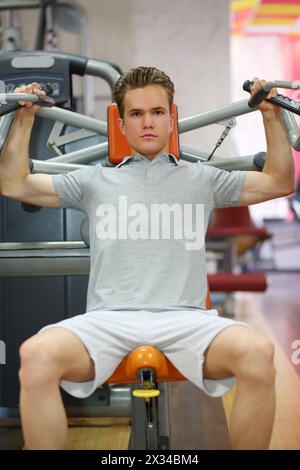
(74, 141)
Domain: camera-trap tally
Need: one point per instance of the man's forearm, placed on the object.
(279, 163)
(14, 156)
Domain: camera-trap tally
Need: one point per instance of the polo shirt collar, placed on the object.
(162, 158)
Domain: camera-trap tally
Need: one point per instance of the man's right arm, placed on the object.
(16, 181)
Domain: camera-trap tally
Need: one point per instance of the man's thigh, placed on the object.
(224, 351)
(68, 352)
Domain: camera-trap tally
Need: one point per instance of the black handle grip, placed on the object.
(247, 85)
(47, 88)
(258, 97)
(43, 101)
(279, 100)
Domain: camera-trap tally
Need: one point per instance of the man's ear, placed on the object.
(122, 126)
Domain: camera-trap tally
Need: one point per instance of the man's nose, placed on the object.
(147, 120)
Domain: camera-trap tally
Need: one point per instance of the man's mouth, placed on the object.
(148, 136)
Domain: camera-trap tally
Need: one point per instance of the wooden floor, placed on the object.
(99, 434)
(276, 314)
(84, 434)
(203, 416)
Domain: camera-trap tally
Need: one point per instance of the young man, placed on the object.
(145, 289)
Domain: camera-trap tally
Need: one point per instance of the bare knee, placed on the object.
(39, 364)
(255, 362)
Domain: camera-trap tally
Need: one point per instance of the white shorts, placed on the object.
(183, 336)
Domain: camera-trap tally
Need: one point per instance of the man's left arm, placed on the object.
(278, 176)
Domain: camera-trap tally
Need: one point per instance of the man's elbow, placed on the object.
(3, 189)
(9, 190)
(290, 189)
(6, 193)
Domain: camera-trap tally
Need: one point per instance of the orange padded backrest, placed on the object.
(118, 147)
(207, 300)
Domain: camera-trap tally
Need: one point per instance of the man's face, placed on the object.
(147, 122)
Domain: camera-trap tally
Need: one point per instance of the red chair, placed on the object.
(236, 222)
(234, 226)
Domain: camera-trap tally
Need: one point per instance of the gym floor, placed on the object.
(275, 313)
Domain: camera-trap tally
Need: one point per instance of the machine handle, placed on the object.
(280, 100)
(43, 101)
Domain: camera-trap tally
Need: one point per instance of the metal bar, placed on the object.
(15, 4)
(87, 155)
(5, 124)
(291, 127)
(28, 259)
(7, 246)
(138, 422)
(117, 403)
(192, 155)
(44, 253)
(53, 168)
(204, 119)
(13, 97)
(217, 245)
(63, 266)
(164, 415)
(74, 136)
(74, 119)
(238, 109)
(246, 162)
(235, 163)
(102, 70)
(295, 85)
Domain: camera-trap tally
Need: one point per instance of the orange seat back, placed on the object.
(207, 300)
(118, 147)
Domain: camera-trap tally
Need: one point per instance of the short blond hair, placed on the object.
(140, 77)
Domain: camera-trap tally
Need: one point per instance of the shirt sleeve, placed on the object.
(226, 186)
(71, 187)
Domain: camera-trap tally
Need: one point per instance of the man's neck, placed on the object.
(150, 157)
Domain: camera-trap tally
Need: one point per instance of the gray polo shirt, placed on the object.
(142, 258)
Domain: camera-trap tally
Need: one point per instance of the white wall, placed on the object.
(255, 56)
(188, 39)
